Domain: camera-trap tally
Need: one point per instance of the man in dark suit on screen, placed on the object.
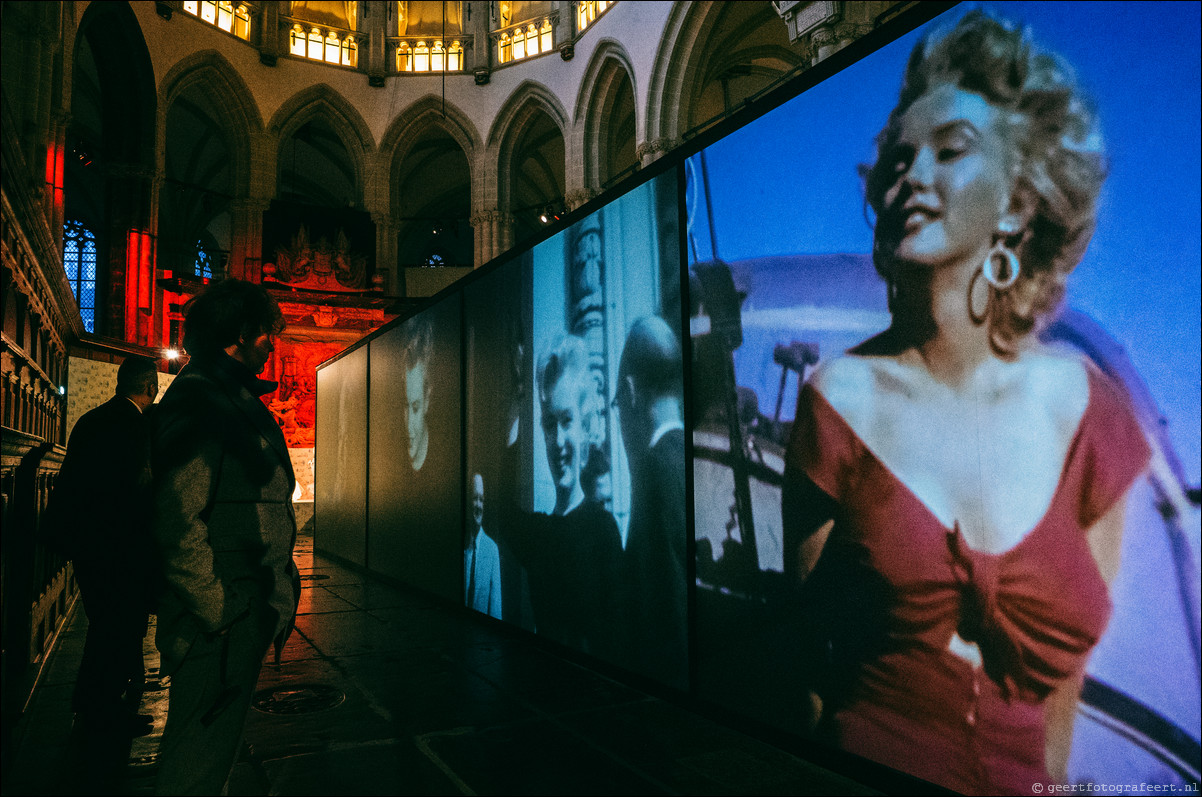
(225, 528)
(100, 510)
(649, 401)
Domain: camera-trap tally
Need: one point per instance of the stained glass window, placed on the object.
(79, 261)
(203, 266)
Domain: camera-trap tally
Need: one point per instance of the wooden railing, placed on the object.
(38, 585)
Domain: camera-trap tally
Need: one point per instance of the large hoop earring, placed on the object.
(983, 316)
(1000, 252)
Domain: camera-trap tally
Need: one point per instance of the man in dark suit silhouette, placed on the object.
(100, 508)
(649, 402)
(225, 528)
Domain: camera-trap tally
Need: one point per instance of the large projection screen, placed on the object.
(414, 480)
(341, 469)
(578, 465)
(781, 258)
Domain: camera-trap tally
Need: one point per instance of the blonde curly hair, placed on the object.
(1058, 155)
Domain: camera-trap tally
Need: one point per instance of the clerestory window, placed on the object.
(587, 12)
(522, 29)
(223, 14)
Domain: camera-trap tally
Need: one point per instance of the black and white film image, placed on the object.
(576, 439)
(341, 468)
(414, 498)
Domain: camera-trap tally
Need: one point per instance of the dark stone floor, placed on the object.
(433, 701)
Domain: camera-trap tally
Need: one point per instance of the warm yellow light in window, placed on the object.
(296, 44)
(455, 57)
(545, 36)
(404, 58)
(333, 53)
(506, 48)
(421, 58)
(316, 43)
(436, 57)
(208, 11)
(242, 22)
(191, 6)
(225, 16)
(350, 51)
(587, 12)
(519, 44)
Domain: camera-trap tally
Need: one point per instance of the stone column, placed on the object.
(269, 34)
(129, 192)
(375, 30)
(492, 233)
(246, 238)
(386, 254)
(479, 56)
(58, 140)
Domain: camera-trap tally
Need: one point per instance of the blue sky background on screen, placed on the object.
(1141, 277)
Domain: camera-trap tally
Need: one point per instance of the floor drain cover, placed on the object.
(299, 699)
(314, 577)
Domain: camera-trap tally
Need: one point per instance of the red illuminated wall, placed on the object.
(294, 366)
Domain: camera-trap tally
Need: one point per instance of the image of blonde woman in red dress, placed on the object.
(955, 486)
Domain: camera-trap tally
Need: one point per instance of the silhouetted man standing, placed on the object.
(100, 508)
(649, 402)
(225, 526)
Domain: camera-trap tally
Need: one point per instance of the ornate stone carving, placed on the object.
(655, 147)
(489, 217)
(575, 198)
(320, 265)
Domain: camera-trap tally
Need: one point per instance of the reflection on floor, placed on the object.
(384, 692)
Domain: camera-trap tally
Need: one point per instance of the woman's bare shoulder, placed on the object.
(850, 384)
(1057, 380)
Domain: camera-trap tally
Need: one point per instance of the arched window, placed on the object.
(587, 12)
(242, 22)
(455, 57)
(350, 51)
(421, 58)
(203, 265)
(316, 43)
(333, 53)
(79, 260)
(222, 14)
(436, 57)
(225, 16)
(531, 33)
(519, 44)
(404, 58)
(296, 41)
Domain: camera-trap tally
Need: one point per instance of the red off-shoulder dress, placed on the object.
(1035, 610)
